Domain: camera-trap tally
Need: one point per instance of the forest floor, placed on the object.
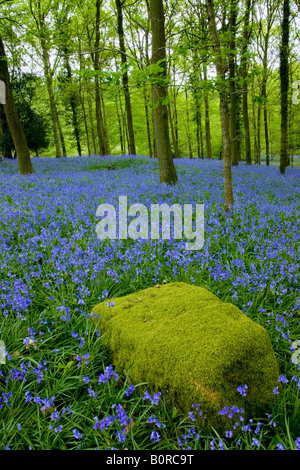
(58, 388)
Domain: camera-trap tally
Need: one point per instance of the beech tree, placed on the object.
(167, 171)
(12, 117)
(39, 13)
(244, 74)
(131, 147)
(226, 140)
(232, 81)
(284, 84)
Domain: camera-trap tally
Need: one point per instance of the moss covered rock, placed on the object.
(185, 342)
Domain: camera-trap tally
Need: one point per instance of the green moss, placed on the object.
(185, 342)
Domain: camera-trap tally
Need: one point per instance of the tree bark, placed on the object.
(91, 118)
(173, 133)
(264, 95)
(284, 85)
(102, 140)
(188, 131)
(12, 117)
(232, 82)
(255, 134)
(167, 171)
(131, 147)
(258, 132)
(226, 140)
(4, 129)
(207, 119)
(49, 83)
(147, 122)
(61, 135)
(73, 103)
(82, 99)
(244, 73)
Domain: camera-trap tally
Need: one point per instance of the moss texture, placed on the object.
(185, 342)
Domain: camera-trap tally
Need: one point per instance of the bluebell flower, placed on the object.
(154, 436)
(129, 390)
(242, 390)
(77, 434)
(283, 379)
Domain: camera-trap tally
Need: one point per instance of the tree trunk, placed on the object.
(207, 120)
(226, 140)
(201, 149)
(61, 135)
(258, 132)
(284, 84)
(173, 133)
(82, 99)
(244, 73)
(264, 95)
(232, 83)
(73, 103)
(131, 147)
(102, 141)
(13, 121)
(4, 130)
(255, 134)
(120, 127)
(188, 131)
(167, 171)
(147, 122)
(94, 138)
(49, 83)
(266, 135)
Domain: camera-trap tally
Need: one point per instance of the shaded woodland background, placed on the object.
(82, 71)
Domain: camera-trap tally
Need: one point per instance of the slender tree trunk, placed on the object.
(86, 125)
(147, 122)
(238, 122)
(102, 142)
(12, 117)
(49, 83)
(226, 140)
(104, 122)
(94, 140)
(201, 143)
(173, 133)
(188, 131)
(284, 84)
(207, 119)
(73, 103)
(82, 100)
(124, 124)
(232, 82)
(131, 149)
(120, 127)
(61, 135)
(255, 134)
(198, 123)
(290, 125)
(266, 135)
(4, 129)
(81, 97)
(244, 73)
(264, 95)
(166, 165)
(259, 132)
